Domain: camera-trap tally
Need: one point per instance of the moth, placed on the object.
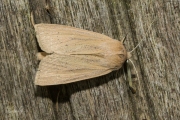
(74, 54)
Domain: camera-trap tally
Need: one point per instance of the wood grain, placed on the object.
(108, 97)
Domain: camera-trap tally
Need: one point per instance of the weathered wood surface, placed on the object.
(155, 22)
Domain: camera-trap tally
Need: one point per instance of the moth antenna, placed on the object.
(143, 39)
(124, 39)
(32, 19)
(134, 68)
(136, 46)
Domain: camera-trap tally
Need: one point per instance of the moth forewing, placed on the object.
(77, 54)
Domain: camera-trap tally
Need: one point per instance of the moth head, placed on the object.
(129, 55)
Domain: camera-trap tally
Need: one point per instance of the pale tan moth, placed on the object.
(73, 54)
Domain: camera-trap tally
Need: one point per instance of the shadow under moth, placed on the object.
(74, 54)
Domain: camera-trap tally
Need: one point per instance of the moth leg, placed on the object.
(130, 79)
(32, 19)
(41, 55)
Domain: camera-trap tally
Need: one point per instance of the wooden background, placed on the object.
(157, 59)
